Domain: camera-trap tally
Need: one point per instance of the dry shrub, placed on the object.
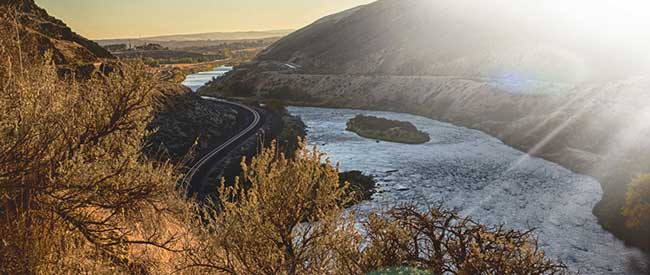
(441, 242)
(76, 194)
(287, 222)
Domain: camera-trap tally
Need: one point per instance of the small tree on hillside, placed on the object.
(637, 203)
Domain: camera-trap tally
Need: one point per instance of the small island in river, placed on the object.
(386, 130)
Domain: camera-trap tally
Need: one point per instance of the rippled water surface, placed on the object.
(480, 176)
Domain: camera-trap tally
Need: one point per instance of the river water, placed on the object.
(197, 80)
(478, 175)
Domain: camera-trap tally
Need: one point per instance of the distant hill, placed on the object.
(215, 36)
(40, 32)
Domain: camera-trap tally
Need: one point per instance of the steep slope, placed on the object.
(39, 32)
(502, 38)
(555, 88)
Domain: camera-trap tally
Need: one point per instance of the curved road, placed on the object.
(196, 177)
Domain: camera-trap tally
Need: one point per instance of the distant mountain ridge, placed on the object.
(225, 36)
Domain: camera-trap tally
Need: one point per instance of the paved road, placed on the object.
(197, 176)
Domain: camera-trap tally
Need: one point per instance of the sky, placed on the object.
(100, 19)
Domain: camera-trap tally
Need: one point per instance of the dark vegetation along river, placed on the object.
(478, 175)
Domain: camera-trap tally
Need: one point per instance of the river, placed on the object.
(478, 175)
(197, 80)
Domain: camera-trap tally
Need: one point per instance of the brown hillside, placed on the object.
(40, 32)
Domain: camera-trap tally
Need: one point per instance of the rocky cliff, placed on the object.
(548, 89)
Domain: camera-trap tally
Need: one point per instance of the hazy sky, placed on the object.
(139, 18)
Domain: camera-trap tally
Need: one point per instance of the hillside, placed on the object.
(511, 39)
(39, 33)
(552, 90)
